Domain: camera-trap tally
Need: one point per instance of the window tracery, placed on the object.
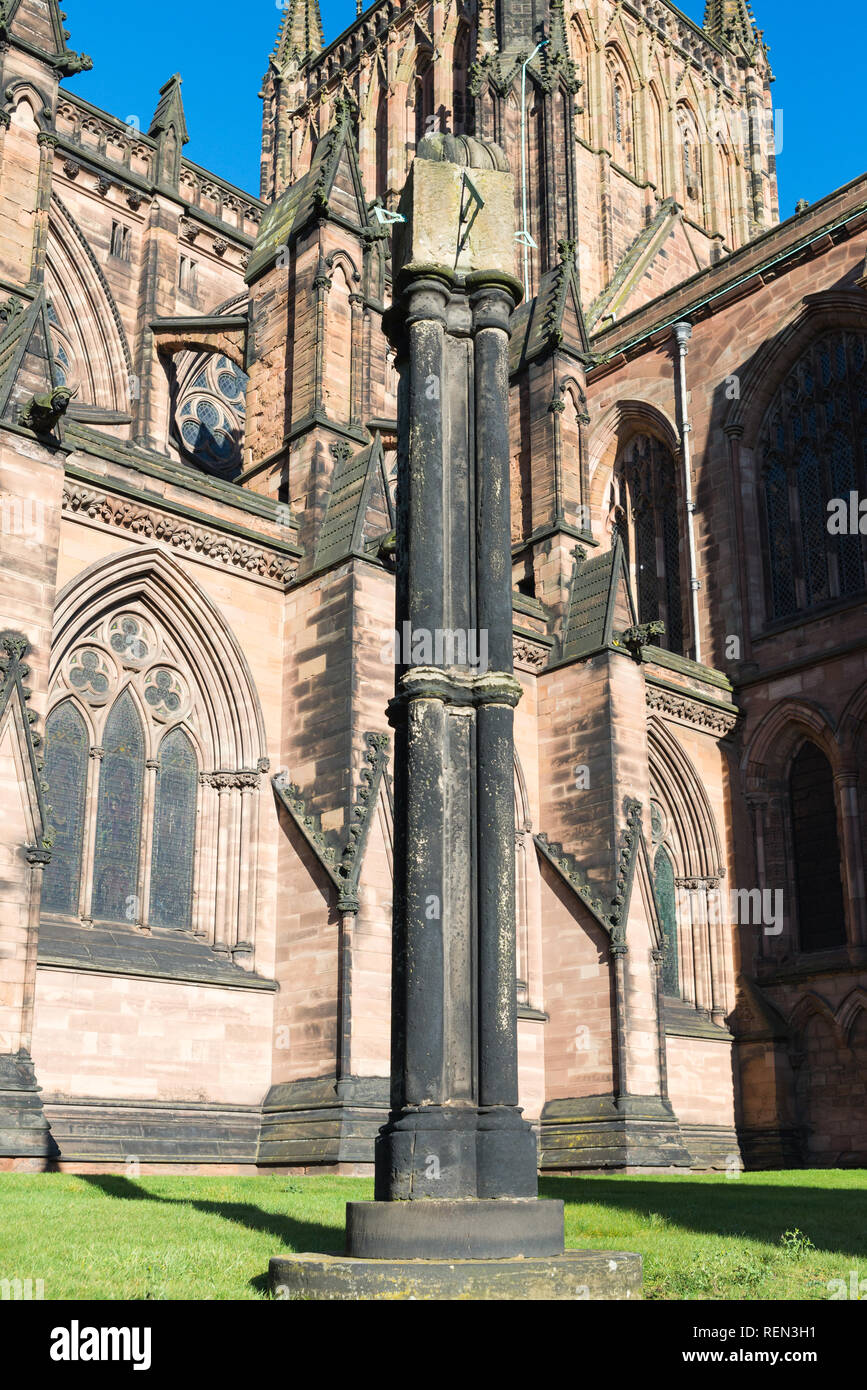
(812, 451)
(210, 412)
(124, 673)
(646, 515)
(816, 851)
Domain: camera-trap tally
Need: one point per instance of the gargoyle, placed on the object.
(634, 638)
(42, 414)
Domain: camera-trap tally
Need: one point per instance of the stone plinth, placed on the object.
(465, 1230)
(572, 1277)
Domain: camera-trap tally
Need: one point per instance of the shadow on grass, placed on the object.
(835, 1219)
(297, 1236)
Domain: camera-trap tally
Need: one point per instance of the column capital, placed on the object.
(493, 295)
(454, 687)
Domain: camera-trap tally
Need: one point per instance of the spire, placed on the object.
(169, 128)
(170, 111)
(730, 22)
(300, 35)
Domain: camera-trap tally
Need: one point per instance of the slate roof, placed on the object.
(590, 622)
(342, 532)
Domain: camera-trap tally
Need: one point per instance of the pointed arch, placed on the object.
(811, 1005)
(772, 748)
(656, 141)
(853, 724)
(830, 310)
(174, 834)
(620, 106)
(87, 314)
(461, 97)
(850, 1009)
(119, 813)
(679, 789)
(579, 46)
(153, 581)
(692, 171)
(617, 426)
(67, 745)
(382, 130)
(666, 904)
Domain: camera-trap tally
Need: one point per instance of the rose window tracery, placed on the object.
(210, 414)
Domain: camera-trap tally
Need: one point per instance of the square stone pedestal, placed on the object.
(573, 1276)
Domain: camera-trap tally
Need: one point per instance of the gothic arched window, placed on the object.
(646, 491)
(666, 903)
(620, 116)
(690, 149)
(656, 162)
(210, 412)
(66, 758)
(119, 816)
(460, 104)
(174, 832)
(124, 822)
(382, 148)
(812, 452)
(425, 122)
(816, 851)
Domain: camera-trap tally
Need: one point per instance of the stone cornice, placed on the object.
(151, 523)
(688, 709)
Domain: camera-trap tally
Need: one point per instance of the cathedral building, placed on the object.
(198, 480)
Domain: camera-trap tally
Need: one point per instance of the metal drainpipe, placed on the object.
(683, 333)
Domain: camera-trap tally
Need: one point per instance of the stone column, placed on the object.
(456, 1163)
(455, 1133)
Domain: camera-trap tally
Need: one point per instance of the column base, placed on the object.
(468, 1229)
(25, 1138)
(574, 1276)
(604, 1132)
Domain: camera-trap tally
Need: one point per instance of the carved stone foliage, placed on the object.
(530, 656)
(690, 711)
(610, 914)
(176, 531)
(342, 864)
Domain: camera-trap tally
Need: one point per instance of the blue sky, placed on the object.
(222, 49)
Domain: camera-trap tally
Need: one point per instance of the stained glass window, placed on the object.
(119, 816)
(648, 473)
(174, 833)
(816, 850)
(66, 756)
(210, 414)
(666, 903)
(813, 452)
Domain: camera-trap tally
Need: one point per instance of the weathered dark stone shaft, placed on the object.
(455, 1130)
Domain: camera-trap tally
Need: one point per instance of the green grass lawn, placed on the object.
(760, 1236)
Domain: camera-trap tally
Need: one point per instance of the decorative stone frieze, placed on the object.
(177, 532)
(687, 710)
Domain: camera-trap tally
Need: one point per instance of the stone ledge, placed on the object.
(575, 1276)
